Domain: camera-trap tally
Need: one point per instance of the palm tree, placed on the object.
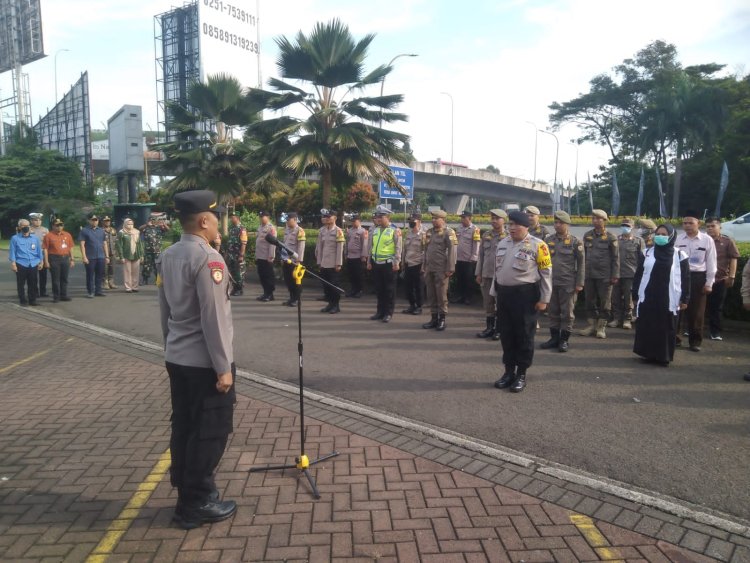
(337, 137)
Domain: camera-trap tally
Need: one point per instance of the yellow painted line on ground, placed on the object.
(595, 538)
(120, 525)
(24, 361)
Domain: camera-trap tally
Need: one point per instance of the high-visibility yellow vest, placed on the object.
(384, 244)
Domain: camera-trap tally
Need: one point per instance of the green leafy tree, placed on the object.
(338, 137)
(360, 197)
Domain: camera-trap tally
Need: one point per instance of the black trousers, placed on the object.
(465, 280)
(413, 285)
(356, 269)
(715, 304)
(59, 267)
(384, 279)
(43, 282)
(201, 424)
(95, 275)
(331, 276)
(516, 320)
(691, 319)
(27, 277)
(291, 285)
(267, 278)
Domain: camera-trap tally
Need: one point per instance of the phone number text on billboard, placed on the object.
(230, 10)
(221, 34)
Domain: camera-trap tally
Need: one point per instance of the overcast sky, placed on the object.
(502, 61)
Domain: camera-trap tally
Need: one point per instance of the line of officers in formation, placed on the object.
(519, 265)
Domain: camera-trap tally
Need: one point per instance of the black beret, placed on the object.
(264, 213)
(519, 218)
(466, 213)
(292, 215)
(196, 201)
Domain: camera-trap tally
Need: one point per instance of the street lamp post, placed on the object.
(577, 143)
(450, 171)
(557, 156)
(382, 82)
(57, 53)
(536, 143)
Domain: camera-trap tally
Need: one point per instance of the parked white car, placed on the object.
(738, 229)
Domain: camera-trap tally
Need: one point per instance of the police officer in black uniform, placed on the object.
(196, 319)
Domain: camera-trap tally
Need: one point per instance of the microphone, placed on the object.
(270, 239)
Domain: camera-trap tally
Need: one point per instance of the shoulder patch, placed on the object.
(340, 235)
(217, 271)
(301, 234)
(543, 260)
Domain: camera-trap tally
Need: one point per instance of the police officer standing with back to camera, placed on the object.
(236, 247)
(602, 272)
(568, 269)
(40, 232)
(294, 240)
(265, 252)
(329, 254)
(356, 256)
(411, 264)
(440, 244)
(196, 319)
(384, 249)
(523, 287)
(485, 270)
(469, 238)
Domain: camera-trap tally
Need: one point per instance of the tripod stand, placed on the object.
(302, 462)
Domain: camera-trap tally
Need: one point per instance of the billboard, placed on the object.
(229, 40)
(20, 33)
(405, 177)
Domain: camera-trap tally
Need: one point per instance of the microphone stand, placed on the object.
(302, 462)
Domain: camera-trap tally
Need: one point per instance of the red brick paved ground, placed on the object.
(85, 423)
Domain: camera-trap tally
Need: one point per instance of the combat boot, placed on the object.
(489, 330)
(613, 324)
(590, 329)
(627, 325)
(507, 379)
(440, 322)
(496, 336)
(563, 345)
(554, 339)
(432, 323)
(520, 383)
(601, 328)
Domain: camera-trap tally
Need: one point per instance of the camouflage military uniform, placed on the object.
(235, 257)
(152, 236)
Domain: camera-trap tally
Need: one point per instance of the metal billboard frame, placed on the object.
(21, 40)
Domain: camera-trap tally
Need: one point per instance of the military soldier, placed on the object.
(384, 249)
(40, 232)
(110, 240)
(535, 229)
(631, 247)
(567, 281)
(602, 272)
(356, 256)
(485, 270)
(469, 238)
(294, 240)
(236, 246)
(329, 254)
(265, 253)
(523, 286)
(440, 249)
(196, 320)
(411, 264)
(152, 234)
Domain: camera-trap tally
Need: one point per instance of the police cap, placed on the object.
(57, 222)
(264, 213)
(106, 218)
(416, 215)
(292, 215)
(562, 216)
(35, 215)
(382, 210)
(439, 213)
(327, 212)
(519, 218)
(499, 213)
(466, 213)
(599, 213)
(196, 201)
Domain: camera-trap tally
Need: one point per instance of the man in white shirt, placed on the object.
(701, 251)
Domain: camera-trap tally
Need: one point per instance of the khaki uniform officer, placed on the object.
(384, 249)
(631, 247)
(265, 252)
(294, 240)
(356, 256)
(329, 254)
(485, 270)
(41, 232)
(535, 229)
(523, 286)
(647, 231)
(196, 320)
(411, 264)
(602, 271)
(567, 280)
(469, 238)
(440, 245)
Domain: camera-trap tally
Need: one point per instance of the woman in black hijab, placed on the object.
(661, 289)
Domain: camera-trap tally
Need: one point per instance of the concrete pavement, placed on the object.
(85, 413)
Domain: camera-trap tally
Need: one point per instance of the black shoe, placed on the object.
(432, 323)
(564, 336)
(24, 303)
(387, 318)
(417, 311)
(554, 340)
(261, 297)
(33, 303)
(506, 380)
(489, 329)
(519, 384)
(236, 292)
(496, 336)
(455, 299)
(189, 518)
(377, 317)
(334, 309)
(100, 294)
(327, 308)
(409, 310)
(440, 323)
(66, 298)
(267, 298)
